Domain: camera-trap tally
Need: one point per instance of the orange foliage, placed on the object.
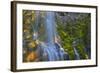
(31, 57)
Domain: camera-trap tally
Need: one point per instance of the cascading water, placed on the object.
(53, 52)
(35, 27)
(76, 54)
(77, 57)
(49, 50)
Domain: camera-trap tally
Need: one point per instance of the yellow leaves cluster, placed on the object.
(31, 57)
(32, 44)
(28, 36)
(28, 21)
(25, 31)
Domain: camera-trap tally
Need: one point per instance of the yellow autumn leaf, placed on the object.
(28, 21)
(25, 30)
(32, 44)
(28, 36)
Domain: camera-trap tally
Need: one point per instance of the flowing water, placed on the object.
(53, 50)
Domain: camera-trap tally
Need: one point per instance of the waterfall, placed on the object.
(49, 23)
(35, 27)
(53, 49)
(49, 50)
(76, 54)
(77, 57)
(50, 30)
